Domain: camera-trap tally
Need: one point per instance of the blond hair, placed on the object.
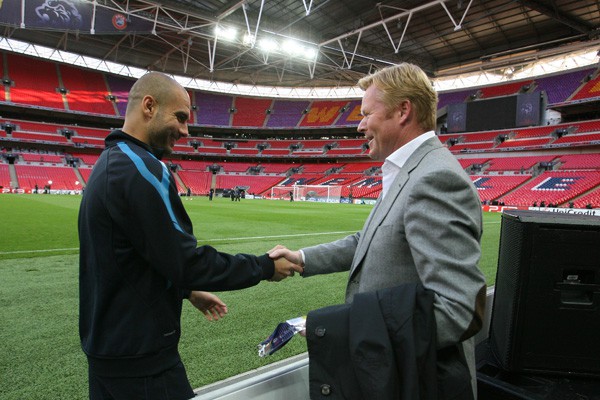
(406, 82)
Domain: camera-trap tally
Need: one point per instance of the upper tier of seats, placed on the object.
(567, 134)
(41, 83)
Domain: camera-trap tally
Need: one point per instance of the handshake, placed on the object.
(287, 262)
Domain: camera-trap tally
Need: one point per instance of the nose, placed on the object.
(183, 131)
(362, 126)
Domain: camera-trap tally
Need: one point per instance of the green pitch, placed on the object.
(40, 357)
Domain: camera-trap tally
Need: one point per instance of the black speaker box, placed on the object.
(546, 311)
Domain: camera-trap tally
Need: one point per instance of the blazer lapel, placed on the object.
(383, 206)
(381, 209)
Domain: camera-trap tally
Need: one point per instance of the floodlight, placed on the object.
(249, 39)
(268, 45)
(224, 33)
(310, 53)
(292, 47)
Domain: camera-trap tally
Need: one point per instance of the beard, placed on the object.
(161, 140)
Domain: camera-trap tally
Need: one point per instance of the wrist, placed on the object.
(302, 258)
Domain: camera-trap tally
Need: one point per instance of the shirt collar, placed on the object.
(399, 157)
(396, 160)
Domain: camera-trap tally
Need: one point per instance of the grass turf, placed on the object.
(40, 356)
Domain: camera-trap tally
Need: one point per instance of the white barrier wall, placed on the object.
(288, 379)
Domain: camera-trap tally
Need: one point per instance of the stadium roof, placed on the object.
(341, 40)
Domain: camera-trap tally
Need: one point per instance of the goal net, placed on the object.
(320, 193)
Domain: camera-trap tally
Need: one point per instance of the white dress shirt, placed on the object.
(392, 164)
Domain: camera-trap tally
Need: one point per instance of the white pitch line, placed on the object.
(36, 251)
(209, 240)
(205, 241)
(279, 236)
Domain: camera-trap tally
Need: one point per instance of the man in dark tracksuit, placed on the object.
(139, 258)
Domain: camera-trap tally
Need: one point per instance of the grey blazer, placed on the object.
(426, 229)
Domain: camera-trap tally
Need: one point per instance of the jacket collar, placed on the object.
(118, 136)
(383, 206)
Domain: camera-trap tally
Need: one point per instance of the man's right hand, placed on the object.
(287, 263)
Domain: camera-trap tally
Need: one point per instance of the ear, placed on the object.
(405, 111)
(149, 106)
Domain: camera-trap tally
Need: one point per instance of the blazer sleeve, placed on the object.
(443, 227)
(330, 257)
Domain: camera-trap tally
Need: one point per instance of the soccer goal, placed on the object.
(320, 193)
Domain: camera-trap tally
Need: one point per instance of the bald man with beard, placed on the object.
(139, 258)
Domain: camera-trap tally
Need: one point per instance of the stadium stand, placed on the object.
(516, 164)
(213, 109)
(542, 131)
(503, 89)
(523, 143)
(590, 89)
(119, 88)
(237, 166)
(317, 168)
(61, 178)
(338, 179)
(38, 137)
(35, 127)
(282, 144)
(85, 173)
(41, 158)
(5, 181)
(508, 173)
(250, 112)
(584, 139)
(559, 87)
(183, 148)
(28, 88)
(244, 152)
(453, 97)
(351, 115)
(87, 159)
(276, 168)
(491, 187)
(275, 152)
(362, 167)
(286, 113)
(345, 152)
(588, 200)
(247, 144)
(252, 183)
(579, 162)
(553, 188)
(323, 113)
(86, 91)
(83, 141)
(367, 187)
(90, 132)
(198, 181)
(464, 147)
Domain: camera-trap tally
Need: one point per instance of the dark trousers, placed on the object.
(172, 384)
